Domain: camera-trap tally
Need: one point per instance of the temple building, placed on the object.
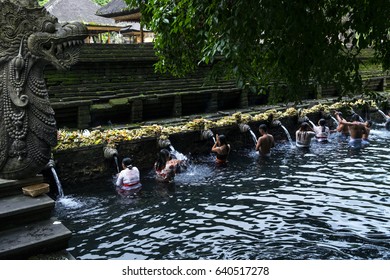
(119, 11)
(100, 29)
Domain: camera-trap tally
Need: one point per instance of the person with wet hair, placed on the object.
(166, 167)
(304, 135)
(128, 180)
(221, 148)
(357, 130)
(322, 131)
(341, 128)
(265, 142)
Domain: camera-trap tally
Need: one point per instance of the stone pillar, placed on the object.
(83, 116)
(318, 91)
(177, 106)
(213, 102)
(383, 84)
(244, 99)
(137, 110)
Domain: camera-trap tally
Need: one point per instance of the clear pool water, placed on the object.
(330, 202)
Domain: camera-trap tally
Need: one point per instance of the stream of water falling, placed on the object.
(58, 183)
(335, 121)
(177, 154)
(288, 135)
(214, 140)
(117, 163)
(383, 115)
(254, 138)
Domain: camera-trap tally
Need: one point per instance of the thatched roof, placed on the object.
(116, 8)
(77, 10)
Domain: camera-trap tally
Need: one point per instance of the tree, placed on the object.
(289, 44)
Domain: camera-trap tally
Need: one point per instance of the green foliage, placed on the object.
(285, 44)
(42, 2)
(101, 2)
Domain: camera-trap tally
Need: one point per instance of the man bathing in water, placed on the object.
(357, 131)
(265, 142)
(341, 128)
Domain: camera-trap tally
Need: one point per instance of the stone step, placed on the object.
(32, 239)
(21, 209)
(14, 187)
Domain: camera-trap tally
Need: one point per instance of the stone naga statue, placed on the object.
(30, 38)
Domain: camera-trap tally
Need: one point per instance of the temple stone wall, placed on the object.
(118, 84)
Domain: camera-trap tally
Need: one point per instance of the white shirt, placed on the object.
(129, 178)
(320, 132)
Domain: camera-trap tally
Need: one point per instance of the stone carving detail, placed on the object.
(30, 38)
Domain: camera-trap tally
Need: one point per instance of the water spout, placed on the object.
(276, 123)
(360, 118)
(335, 121)
(110, 153)
(254, 138)
(312, 124)
(288, 135)
(244, 127)
(206, 134)
(384, 115)
(58, 183)
(164, 143)
(51, 165)
(177, 154)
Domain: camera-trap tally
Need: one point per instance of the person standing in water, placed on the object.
(265, 142)
(304, 135)
(128, 181)
(357, 130)
(322, 131)
(166, 167)
(341, 128)
(221, 148)
(368, 125)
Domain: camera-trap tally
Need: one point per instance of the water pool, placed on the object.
(330, 202)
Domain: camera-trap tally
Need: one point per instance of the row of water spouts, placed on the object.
(110, 153)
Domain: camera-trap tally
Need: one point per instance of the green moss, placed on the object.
(118, 101)
(101, 107)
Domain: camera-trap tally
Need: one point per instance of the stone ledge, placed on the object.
(32, 239)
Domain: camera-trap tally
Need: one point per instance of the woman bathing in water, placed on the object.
(322, 131)
(304, 135)
(166, 167)
(128, 181)
(221, 148)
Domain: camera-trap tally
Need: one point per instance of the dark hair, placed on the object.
(161, 161)
(355, 117)
(222, 140)
(322, 123)
(304, 126)
(369, 123)
(128, 162)
(263, 127)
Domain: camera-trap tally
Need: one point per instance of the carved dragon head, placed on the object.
(42, 36)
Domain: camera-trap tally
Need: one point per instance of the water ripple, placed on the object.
(328, 203)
